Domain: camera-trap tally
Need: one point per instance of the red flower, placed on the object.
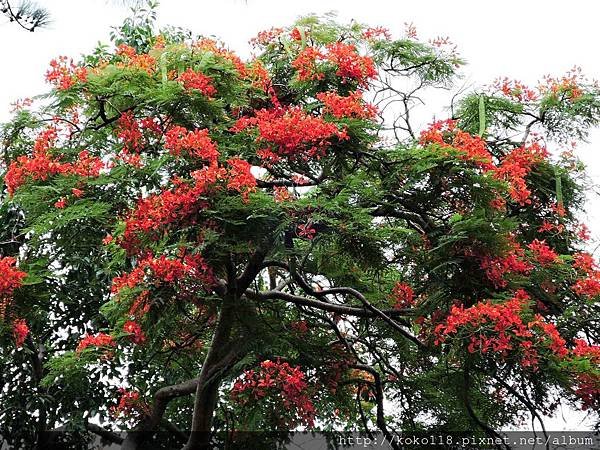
(500, 328)
(588, 390)
(97, 340)
(498, 267)
(11, 278)
(157, 211)
(151, 270)
(583, 232)
(61, 203)
(279, 382)
(307, 231)
(291, 132)
(446, 135)
(240, 177)
(543, 253)
(584, 350)
(129, 404)
(306, 64)
(192, 80)
(350, 65)
(281, 194)
(195, 143)
(377, 33)
(63, 74)
(350, 106)
(42, 165)
(403, 296)
(265, 37)
(137, 336)
(588, 287)
(584, 262)
(300, 326)
(20, 331)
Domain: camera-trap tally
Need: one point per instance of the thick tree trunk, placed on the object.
(210, 380)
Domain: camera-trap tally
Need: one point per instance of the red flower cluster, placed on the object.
(129, 404)
(515, 166)
(130, 130)
(585, 350)
(403, 296)
(547, 227)
(446, 135)
(377, 33)
(307, 231)
(98, 340)
(63, 74)
(192, 80)
(281, 382)
(499, 328)
(350, 106)
(240, 177)
(170, 206)
(306, 64)
(515, 90)
(265, 37)
(281, 194)
(590, 285)
(11, 278)
(210, 45)
(568, 86)
(42, 165)
(133, 60)
(132, 328)
(195, 143)
(20, 331)
(588, 390)
(550, 332)
(161, 270)
(291, 132)
(543, 253)
(585, 262)
(498, 267)
(300, 326)
(350, 65)
(259, 77)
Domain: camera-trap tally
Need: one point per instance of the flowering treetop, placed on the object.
(259, 233)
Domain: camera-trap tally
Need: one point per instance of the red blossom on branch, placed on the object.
(63, 74)
(193, 80)
(543, 253)
(402, 295)
(349, 106)
(291, 132)
(20, 331)
(280, 382)
(195, 143)
(11, 278)
(132, 328)
(100, 340)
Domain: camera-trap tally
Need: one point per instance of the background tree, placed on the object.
(195, 242)
(27, 15)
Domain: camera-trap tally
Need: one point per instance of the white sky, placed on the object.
(519, 39)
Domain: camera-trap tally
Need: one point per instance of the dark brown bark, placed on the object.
(210, 379)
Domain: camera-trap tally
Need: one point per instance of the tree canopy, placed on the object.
(192, 241)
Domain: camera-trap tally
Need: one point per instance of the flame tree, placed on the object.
(191, 241)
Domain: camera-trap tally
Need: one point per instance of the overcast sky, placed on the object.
(518, 39)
